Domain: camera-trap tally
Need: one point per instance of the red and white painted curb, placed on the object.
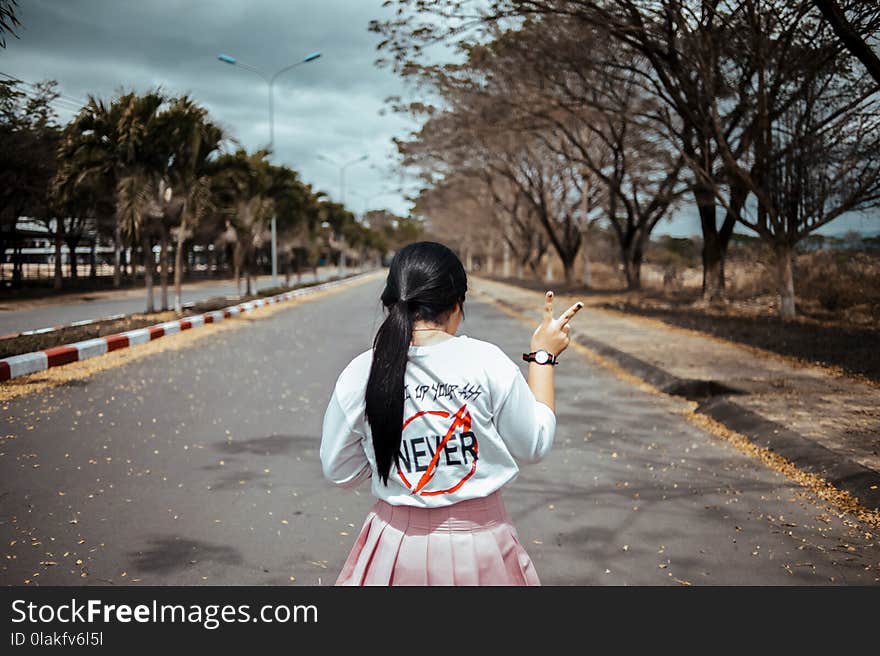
(28, 363)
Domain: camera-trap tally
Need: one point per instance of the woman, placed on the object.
(439, 423)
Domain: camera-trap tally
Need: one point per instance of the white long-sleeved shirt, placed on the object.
(469, 419)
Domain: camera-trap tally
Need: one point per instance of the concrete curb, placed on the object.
(712, 398)
(28, 363)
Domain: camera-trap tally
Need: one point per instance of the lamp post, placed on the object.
(270, 81)
(367, 200)
(342, 168)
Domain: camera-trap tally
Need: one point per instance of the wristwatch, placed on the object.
(541, 357)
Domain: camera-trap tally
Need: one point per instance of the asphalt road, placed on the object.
(201, 467)
(79, 307)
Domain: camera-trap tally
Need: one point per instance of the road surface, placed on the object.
(189, 468)
(78, 307)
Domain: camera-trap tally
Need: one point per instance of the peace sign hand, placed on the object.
(554, 335)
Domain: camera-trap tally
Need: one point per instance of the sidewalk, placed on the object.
(823, 423)
(78, 296)
(19, 315)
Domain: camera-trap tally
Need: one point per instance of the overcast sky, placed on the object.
(330, 107)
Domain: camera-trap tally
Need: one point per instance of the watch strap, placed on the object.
(530, 357)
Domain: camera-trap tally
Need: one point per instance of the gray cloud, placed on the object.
(329, 107)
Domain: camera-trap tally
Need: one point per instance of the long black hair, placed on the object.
(426, 281)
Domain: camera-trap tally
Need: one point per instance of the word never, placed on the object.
(417, 453)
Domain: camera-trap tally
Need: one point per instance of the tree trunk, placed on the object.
(59, 272)
(713, 248)
(632, 270)
(632, 253)
(3, 243)
(785, 281)
(178, 270)
(74, 269)
(148, 273)
(93, 260)
(248, 266)
(506, 260)
(568, 270)
(587, 277)
(117, 255)
(236, 266)
(17, 265)
(163, 266)
(548, 272)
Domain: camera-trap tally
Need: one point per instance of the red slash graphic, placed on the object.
(461, 419)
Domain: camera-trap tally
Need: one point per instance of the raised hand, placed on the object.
(553, 335)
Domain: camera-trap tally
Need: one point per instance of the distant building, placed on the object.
(34, 243)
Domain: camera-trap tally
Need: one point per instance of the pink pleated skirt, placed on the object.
(467, 543)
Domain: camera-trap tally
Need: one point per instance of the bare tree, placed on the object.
(517, 224)
(813, 127)
(678, 43)
(851, 33)
(605, 123)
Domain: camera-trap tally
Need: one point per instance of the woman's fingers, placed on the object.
(548, 306)
(573, 310)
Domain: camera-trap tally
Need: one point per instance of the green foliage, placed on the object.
(8, 20)
(392, 231)
(124, 146)
(144, 164)
(29, 135)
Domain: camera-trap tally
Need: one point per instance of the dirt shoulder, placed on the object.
(824, 404)
(852, 349)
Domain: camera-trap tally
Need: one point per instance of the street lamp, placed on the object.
(270, 80)
(342, 168)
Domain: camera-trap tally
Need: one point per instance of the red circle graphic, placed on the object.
(461, 419)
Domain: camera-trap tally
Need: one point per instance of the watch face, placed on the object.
(542, 357)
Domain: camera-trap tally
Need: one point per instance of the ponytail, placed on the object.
(426, 280)
(384, 394)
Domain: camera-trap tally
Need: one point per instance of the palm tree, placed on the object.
(243, 185)
(123, 144)
(194, 142)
